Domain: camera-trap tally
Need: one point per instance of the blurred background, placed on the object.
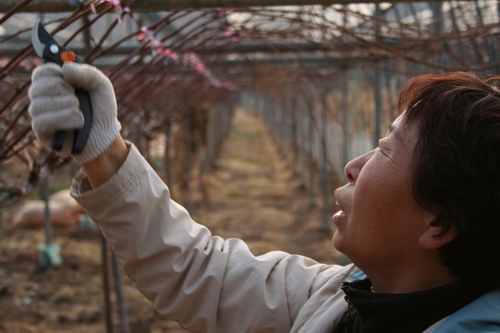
(248, 110)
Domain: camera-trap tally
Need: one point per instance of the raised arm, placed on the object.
(204, 282)
(107, 164)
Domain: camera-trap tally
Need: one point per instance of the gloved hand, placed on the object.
(54, 106)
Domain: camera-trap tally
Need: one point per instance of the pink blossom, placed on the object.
(234, 39)
(174, 56)
(169, 53)
(143, 33)
(200, 67)
(37, 62)
(4, 62)
(116, 4)
(92, 8)
(222, 11)
(126, 10)
(229, 31)
(127, 76)
(193, 58)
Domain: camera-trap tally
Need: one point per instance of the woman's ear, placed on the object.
(435, 233)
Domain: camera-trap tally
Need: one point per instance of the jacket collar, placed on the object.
(378, 312)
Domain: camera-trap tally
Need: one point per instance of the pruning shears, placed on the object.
(48, 49)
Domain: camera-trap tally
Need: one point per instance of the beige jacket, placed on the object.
(204, 282)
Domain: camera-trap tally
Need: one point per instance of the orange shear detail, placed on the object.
(68, 56)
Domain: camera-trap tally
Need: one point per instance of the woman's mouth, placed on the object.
(338, 216)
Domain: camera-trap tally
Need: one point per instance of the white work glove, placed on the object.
(54, 106)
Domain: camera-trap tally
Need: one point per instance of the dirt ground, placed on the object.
(253, 196)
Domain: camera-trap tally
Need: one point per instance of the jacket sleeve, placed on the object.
(205, 283)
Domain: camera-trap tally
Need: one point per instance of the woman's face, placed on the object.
(380, 222)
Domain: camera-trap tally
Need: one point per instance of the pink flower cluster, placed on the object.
(115, 3)
(231, 33)
(170, 54)
(117, 6)
(187, 59)
(158, 48)
(143, 33)
(156, 44)
(27, 64)
(195, 62)
(222, 11)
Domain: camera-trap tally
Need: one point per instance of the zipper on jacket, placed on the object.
(337, 287)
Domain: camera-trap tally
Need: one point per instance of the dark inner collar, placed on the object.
(411, 312)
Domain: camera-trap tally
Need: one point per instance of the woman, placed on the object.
(420, 216)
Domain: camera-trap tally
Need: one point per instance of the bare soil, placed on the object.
(253, 196)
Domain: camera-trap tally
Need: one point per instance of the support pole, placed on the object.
(48, 253)
(377, 90)
(345, 120)
(293, 130)
(325, 181)
(438, 26)
(167, 164)
(47, 227)
(187, 122)
(105, 284)
(310, 119)
(120, 295)
(57, 6)
(345, 111)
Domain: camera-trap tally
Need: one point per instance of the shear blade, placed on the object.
(35, 40)
(40, 38)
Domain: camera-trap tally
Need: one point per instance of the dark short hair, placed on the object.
(456, 166)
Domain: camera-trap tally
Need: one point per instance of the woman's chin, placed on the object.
(337, 240)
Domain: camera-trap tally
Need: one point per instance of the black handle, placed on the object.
(80, 136)
(58, 142)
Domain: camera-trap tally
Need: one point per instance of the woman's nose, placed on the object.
(354, 167)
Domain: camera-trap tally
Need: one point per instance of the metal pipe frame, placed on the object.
(57, 6)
